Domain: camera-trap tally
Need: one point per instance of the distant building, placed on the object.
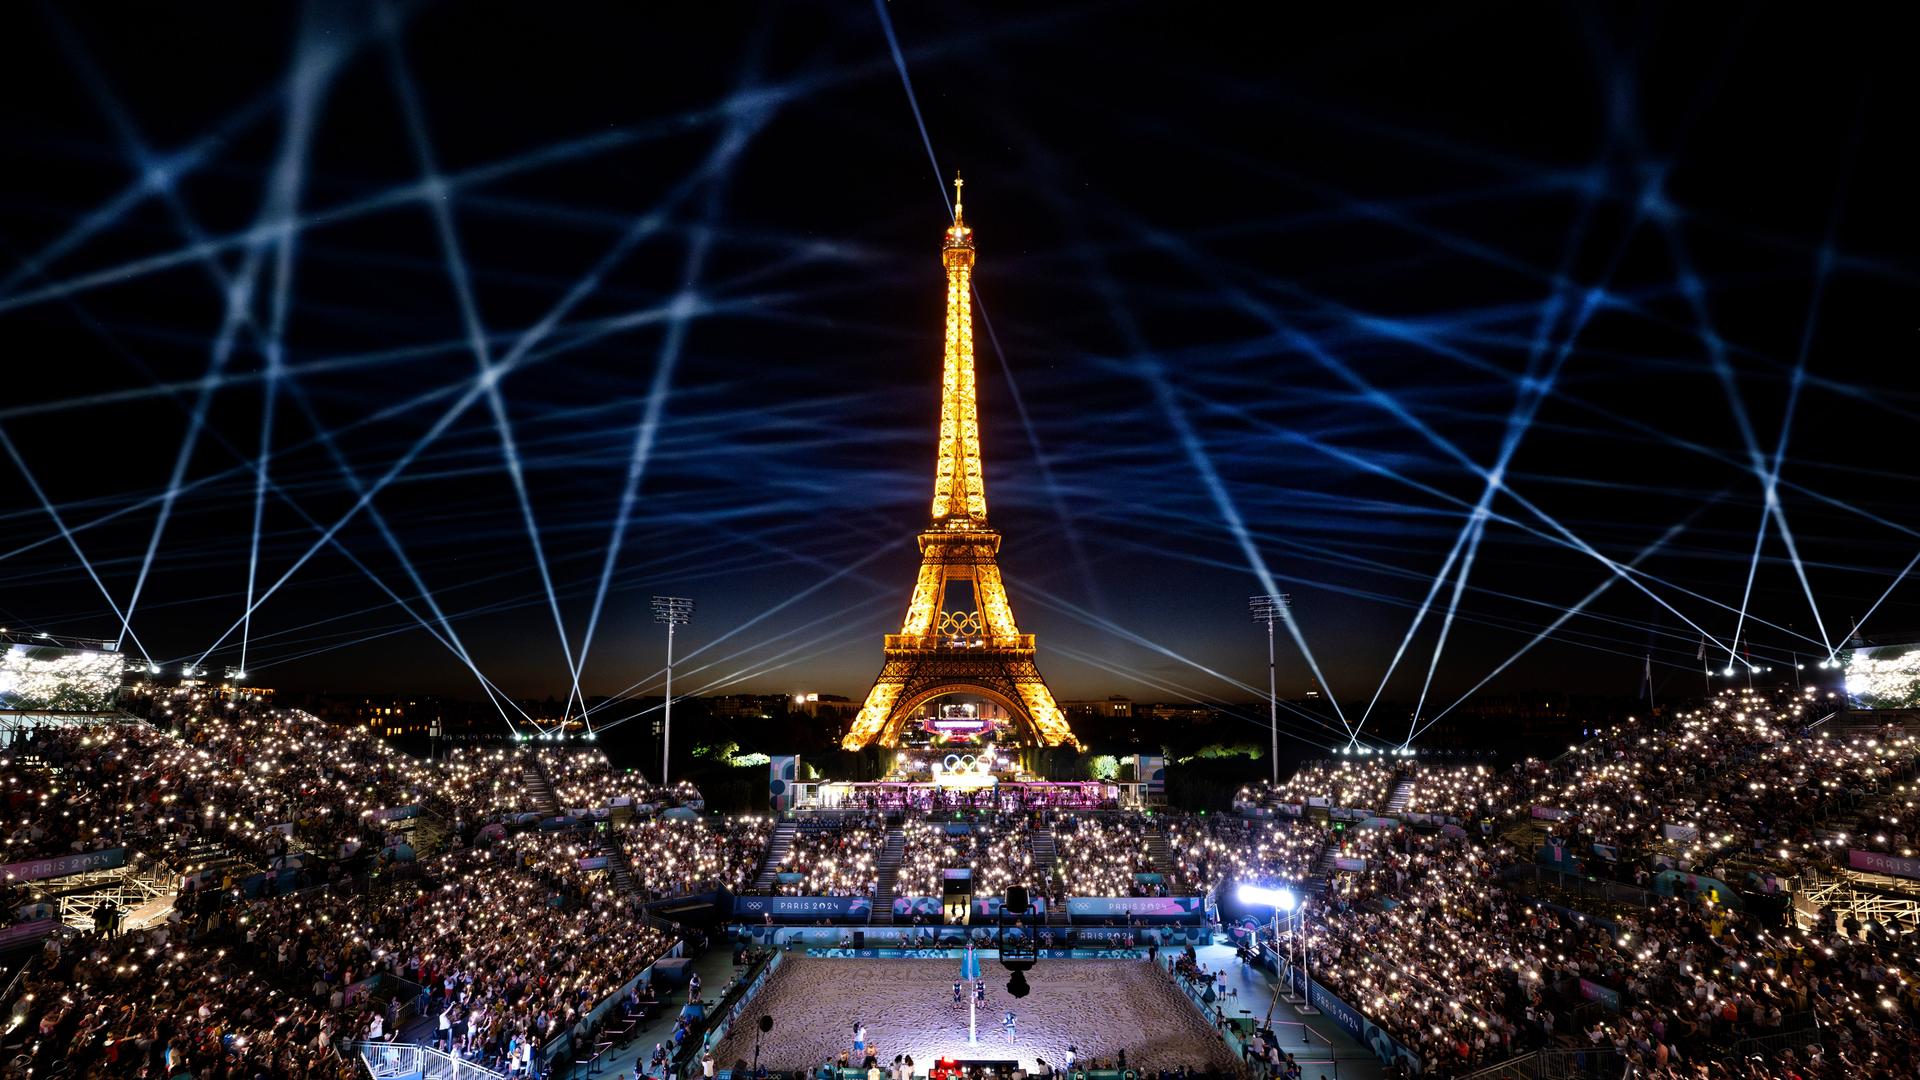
(393, 716)
(746, 706)
(813, 703)
(1107, 708)
(1181, 712)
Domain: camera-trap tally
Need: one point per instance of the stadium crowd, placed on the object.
(1464, 969)
(1749, 774)
(1268, 852)
(64, 787)
(1103, 856)
(673, 857)
(513, 936)
(836, 858)
(1359, 782)
(997, 848)
(1445, 930)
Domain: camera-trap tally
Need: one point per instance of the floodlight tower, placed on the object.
(1266, 608)
(673, 611)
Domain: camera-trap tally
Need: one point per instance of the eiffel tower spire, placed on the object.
(959, 485)
(940, 651)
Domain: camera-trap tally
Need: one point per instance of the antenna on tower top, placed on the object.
(958, 216)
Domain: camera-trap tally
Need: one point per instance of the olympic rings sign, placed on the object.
(964, 771)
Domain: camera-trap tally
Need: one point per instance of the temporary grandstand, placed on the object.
(1727, 881)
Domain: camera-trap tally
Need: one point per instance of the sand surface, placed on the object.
(1098, 1006)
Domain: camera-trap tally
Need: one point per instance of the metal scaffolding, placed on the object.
(1867, 897)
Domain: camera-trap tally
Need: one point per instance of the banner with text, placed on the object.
(1364, 1031)
(1875, 862)
(62, 865)
(1115, 935)
(804, 908)
(1151, 907)
(1608, 997)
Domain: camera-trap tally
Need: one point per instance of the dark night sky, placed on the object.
(1298, 273)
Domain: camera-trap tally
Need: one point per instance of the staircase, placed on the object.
(1040, 841)
(778, 847)
(1323, 870)
(1160, 854)
(619, 870)
(539, 790)
(1402, 796)
(888, 871)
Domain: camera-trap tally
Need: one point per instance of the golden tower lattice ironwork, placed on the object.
(940, 651)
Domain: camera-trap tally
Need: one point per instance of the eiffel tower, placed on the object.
(941, 650)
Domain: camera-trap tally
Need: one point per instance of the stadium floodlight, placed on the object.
(1266, 608)
(672, 611)
(1283, 899)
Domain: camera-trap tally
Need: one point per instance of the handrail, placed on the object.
(414, 1058)
(15, 984)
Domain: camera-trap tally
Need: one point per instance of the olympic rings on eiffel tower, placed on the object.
(961, 624)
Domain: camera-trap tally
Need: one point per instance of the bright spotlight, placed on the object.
(1265, 897)
(1728, 671)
